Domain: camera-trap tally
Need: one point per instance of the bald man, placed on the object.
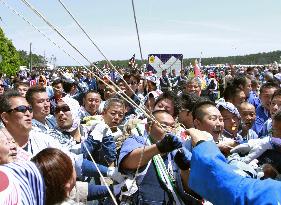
(248, 116)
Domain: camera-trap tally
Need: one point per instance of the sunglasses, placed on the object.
(21, 108)
(63, 109)
(2, 85)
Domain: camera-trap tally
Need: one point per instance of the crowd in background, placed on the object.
(62, 129)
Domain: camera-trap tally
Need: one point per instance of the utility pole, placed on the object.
(45, 62)
(30, 58)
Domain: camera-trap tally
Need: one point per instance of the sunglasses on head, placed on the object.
(21, 108)
(62, 108)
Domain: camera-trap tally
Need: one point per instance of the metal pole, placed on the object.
(136, 24)
(30, 57)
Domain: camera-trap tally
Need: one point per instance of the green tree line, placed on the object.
(11, 59)
(251, 59)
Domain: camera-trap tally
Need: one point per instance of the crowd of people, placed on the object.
(71, 136)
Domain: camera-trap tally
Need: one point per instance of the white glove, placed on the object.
(258, 149)
(101, 129)
(241, 149)
(254, 164)
(251, 145)
(129, 187)
(115, 175)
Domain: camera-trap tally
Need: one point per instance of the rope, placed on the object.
(97, 47)
(54, 28)
(79, 25)
(129, 100)
(20, 15)
(150, 117)
(112, 196)
(103, 180)
(121, 95)
(46, 21)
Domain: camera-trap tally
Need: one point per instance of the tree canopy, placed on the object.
(37, 60)
(251, 59)
(10, 57)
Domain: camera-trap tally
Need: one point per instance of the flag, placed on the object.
(132, 61)
(197, 70)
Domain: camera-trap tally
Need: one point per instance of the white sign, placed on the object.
(159, 62)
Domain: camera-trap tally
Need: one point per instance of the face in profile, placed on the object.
(150, 103)
(151, 86)
(4, 149)
(185, 117)
(238, 98)
(5, 135)
(40, 105)
(265, 97)
(2, 87)
(248, 87)
(276, 128)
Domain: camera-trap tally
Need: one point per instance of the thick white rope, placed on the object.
(42, 33)
(129, 100)
(103, 180)
(150, 117)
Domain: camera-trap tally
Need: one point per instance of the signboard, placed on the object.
(159, 62)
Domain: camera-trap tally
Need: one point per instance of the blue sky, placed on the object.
(215, 28)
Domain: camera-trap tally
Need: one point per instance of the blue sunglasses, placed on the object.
(21, 108)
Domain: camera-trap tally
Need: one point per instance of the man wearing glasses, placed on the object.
(16, 115)
(160, 165)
